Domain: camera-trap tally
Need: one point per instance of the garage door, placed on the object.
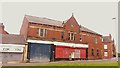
(39, 52)
(11, 57)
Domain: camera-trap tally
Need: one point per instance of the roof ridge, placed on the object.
(89, 29)
(44, 18)
(51, 19)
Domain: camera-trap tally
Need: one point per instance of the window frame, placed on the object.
(71, 36)
(105, 46)
(95, 40)
(62, 35)
(105, 54)
(97, 52)
(43, 33)
(92, 52)
(80, 37)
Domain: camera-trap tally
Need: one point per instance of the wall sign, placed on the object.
(11, 48)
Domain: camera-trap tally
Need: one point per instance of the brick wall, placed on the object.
(54, 33)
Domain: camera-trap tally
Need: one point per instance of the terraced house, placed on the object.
(51, 40)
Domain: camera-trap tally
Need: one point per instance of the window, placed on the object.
(71, 36)
(92, 52)
(42, 32)
(80, 37)
(97, 52)
(74, 37)
(95, 40)
(105, 46)
(105, 54)
(62, 36)
(72, 25)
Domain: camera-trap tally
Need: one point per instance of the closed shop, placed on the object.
(38, 52)
(12, 48)
(11, 53)
(11, 57)
(68, 50)
(83, 53)
(62, 52)
(77, 53)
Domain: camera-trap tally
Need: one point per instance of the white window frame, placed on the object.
(44, 32)
(96, 41)
(105, 46)
(72, 37)
(105, 54)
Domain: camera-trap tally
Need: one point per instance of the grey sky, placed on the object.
(96, 16)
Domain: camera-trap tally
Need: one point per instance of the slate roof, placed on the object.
(82, 28)
(12, 39)
(47, 21)
(106, 39)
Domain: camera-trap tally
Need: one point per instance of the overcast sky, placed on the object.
(96, 16)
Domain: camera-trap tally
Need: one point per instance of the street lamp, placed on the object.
(115, 21)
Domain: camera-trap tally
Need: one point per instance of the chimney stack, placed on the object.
(110, 36)
(1, 26)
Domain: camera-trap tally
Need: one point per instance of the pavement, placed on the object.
(60, 62)
(119, 59)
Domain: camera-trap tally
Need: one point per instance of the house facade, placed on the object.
(60, 39)
(109, 47)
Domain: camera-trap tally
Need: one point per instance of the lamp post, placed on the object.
(115, 21)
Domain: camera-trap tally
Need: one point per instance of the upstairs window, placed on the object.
(62, 36)
(105, 46)
(42, 32)
(95, 40)
(80, 37)
(71, 36)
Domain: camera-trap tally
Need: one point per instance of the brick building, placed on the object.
(109, 47)
(11, 46)
(47, 31)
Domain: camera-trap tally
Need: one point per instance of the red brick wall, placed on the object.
(55, 32)
(75, 28)
(109, 49)
(52, 32)
(24, 27)
(88, 38)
